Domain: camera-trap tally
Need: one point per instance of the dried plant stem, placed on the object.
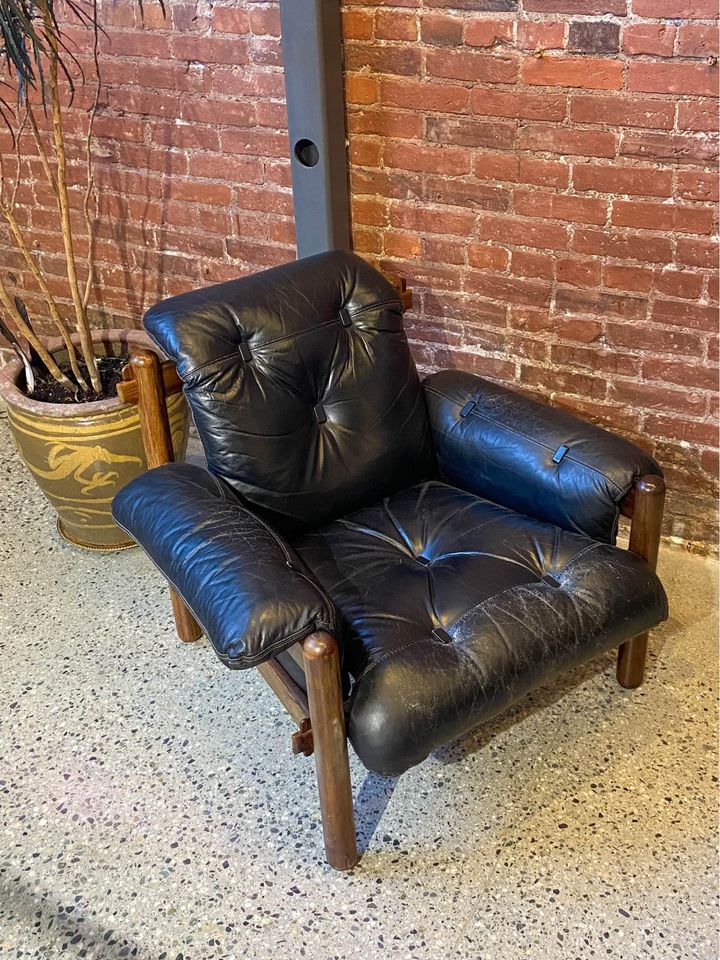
(8, 207)
(90, 194)
(32, 339)
(82, 325)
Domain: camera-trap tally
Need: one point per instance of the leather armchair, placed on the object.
(401, 560)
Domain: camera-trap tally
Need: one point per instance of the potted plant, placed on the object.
(78, 440)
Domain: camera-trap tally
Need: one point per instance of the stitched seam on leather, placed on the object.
(267, 652)
(391, 653)
(539, 443)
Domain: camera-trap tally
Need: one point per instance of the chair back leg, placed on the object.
(322, 673)
(645, 531)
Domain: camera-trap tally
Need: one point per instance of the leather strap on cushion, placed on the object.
(530, 457)
(249, 591)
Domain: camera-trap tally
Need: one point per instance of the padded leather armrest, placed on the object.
(530, 457)
(249, 591)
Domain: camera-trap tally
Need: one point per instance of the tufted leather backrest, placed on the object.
(301, 385)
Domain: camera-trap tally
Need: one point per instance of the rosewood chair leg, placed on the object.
(157, 440)
(645, 532)
(322, 672)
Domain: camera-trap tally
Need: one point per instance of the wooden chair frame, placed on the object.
(320, 714)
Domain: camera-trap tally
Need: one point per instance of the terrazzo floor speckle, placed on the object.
(150, 806)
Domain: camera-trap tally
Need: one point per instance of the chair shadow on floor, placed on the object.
(375, 793)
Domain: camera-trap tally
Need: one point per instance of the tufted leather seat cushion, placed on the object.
(452, 607)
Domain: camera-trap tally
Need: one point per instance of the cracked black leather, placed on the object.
(451, 608)
(301, 385)
(245, 585)
(499, 444)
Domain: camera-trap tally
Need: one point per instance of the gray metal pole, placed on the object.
(312, 55)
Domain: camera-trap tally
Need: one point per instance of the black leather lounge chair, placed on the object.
(401, 559)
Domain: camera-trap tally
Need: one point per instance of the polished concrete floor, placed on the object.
(150, 806)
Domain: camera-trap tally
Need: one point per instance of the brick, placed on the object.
(360, 89)
(234, 113)
(441, 31)
(698, 115)
(691, 375)
(392, 124)
(595, 302)
(697, 253)
(485, 256)
(600, 36)
(424, 218)
(391, 25)
(622, 246)
(633, 279)
(696, 185)
(526, 264)
(513, 103)
(577, 7)
(697, 40)
(230, 20)
(673, 148)
(452, 161)
(573, 72)
(264, 21)
(651, 396)
(478, 67)
(676, 9)
(357, 24)
(444, 251)
(632, 181)
(679, 428)
(691, 316)
(650, 39)
(552, 139)
(480, 6)
(564, 381)
(404, 60)
(220, 50)
(573, 328)
(470, 133)
(686, 78)
(580, 273)
(509, 289)
(679, 283)
(553, 206)
(544, 173)
(418, 95)
(623, 112)
(402, 244)
(522, 233)
(662, 216)
(539, 35)
(488, 33)
(466, 193)
(597, 359)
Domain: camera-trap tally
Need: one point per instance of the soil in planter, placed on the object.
(48, 390)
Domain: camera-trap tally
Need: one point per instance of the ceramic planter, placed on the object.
(81, 454)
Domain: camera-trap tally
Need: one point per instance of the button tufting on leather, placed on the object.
(423, 560)
(319, 412)
(245, 353)
(560, 453)
(551, 581)
(345, 318)
(442, 635)
(467, 408)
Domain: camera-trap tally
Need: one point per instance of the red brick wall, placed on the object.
(542, 172)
